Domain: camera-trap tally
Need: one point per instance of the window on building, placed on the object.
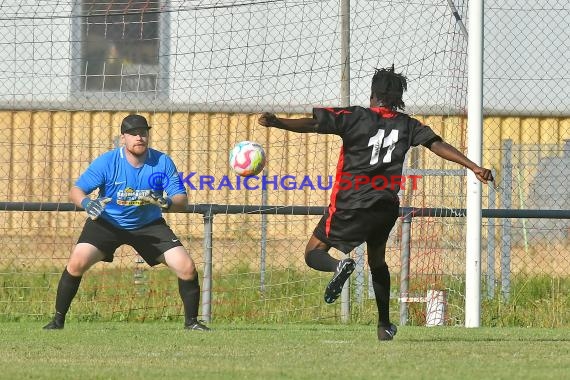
(120, 42)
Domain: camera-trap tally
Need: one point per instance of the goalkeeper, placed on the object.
(375, 142)
(131, 181)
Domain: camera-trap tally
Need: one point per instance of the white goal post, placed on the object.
(474, 152)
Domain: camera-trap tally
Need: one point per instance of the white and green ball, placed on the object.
(247, 158)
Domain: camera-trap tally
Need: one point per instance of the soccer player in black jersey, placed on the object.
(364, 203)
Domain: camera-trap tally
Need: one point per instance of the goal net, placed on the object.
(202, 72)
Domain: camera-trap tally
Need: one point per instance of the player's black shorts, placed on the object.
(347, 229)
(149, 241)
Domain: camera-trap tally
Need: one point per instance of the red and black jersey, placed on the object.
(375, 142)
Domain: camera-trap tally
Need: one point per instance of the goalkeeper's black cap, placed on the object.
(133, 122)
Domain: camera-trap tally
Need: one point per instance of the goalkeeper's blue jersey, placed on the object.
(116, 178)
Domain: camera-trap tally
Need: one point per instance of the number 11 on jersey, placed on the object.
(378, 142)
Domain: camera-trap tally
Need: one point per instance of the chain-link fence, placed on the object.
(201, 71)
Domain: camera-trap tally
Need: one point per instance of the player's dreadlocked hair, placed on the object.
(388, 87)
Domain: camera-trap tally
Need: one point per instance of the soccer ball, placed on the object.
(247, 158)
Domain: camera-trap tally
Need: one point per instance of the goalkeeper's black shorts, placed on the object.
(149, 241)
(346, 229)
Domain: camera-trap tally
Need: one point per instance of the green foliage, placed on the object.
(534, 301)
(289, 295)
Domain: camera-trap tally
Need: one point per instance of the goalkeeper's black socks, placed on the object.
(190, 293)
(381, 285)
(320, 259)
(66, 291)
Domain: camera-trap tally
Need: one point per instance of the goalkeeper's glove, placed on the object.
(94, 207)
(156, 198)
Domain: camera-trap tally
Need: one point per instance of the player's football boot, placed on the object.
(196, 325)
(55, 324)
(342, 273)
(387, 332)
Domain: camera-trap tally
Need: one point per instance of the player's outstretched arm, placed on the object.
(448, 152)
(301, 125)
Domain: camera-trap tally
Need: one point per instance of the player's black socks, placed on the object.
(320, 259)
(190, 293)
(381, 285)
(66, 291)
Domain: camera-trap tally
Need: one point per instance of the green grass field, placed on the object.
(127, 350)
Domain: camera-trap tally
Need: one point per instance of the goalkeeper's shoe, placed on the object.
(196, 325)
(342, 273)
(55, 324)
(387, 332)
